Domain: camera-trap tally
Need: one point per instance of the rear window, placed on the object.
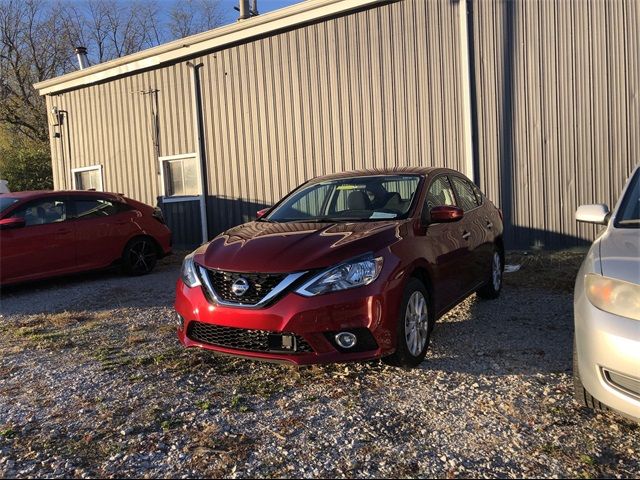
(6, 203)
(466, 194)
(94, 207)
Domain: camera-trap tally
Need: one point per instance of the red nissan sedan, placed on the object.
(347, 267)
(50, 233)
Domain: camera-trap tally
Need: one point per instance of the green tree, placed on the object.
(26, 169)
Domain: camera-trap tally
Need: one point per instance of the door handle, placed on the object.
(466, 235)
(63, 231)
(489, 225)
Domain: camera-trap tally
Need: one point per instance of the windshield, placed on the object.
(356, 199)
(629, 212)
(6, 203)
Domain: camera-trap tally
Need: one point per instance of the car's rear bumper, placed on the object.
(608, 350)
(316, 320)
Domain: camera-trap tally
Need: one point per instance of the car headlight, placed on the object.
(189, 275)
(354, 273)
(613, 296)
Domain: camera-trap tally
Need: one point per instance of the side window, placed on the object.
(440, 193)
(42, 212)
(94, 207)
(479, 195)
(466, 195)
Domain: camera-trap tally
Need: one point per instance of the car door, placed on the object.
(446, 249)
(45, 246)
(473, 231)
(103, 228)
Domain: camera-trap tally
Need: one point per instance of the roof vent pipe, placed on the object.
(247, 9)
(83, 60)
(244, 10)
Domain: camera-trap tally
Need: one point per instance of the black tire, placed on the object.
(582, 397)
(140, 256)
(403, 356)
(493, 286)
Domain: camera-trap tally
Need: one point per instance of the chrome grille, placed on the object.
(260, 284)
(262, 287)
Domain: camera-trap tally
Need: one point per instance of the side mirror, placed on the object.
(261, 213)
(445, 214)
(7, 223)
(598, 213)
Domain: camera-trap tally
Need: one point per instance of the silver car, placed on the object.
(606, 352)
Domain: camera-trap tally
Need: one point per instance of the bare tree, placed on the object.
(37, 39)
(188, 17)
(30, 51)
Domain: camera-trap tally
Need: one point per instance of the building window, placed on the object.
(88, 178)
(180, 175)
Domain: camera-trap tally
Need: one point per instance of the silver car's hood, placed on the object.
(620, 254)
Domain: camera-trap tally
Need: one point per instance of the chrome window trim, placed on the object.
(283, 285)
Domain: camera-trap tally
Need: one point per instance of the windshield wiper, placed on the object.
(321, 220)
(629, 221)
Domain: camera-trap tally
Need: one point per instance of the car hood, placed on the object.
(620, 254)
(290, 247)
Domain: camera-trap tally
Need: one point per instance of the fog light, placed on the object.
(346, 339)
(179, 321)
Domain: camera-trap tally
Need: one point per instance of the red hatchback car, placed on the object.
(48, 233)
(347, 267)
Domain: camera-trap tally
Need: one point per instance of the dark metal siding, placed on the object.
(183, 218)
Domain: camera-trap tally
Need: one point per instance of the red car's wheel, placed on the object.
(140, 256)
(414, 326)
(491, 289)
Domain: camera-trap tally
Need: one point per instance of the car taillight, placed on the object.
(157, 214)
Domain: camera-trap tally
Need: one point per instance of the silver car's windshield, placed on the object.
(628, 215)
(356, 199)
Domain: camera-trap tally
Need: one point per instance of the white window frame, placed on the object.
(179, 198)
(87, 169)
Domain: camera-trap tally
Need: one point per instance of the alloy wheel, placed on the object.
(416, 323)
(142, 256)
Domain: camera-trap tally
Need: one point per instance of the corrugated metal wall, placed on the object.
(557, 120)
(112, 124)
(372, 89)
(558, 88)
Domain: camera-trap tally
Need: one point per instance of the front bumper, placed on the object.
(608, 348)
(312, 319)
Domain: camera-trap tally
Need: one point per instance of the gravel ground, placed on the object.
(94, 383)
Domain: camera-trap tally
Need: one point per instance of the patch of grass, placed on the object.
(238, 403)
(8, 432)
(170, 424)
(550, 448)
(587, 459)
(554, 270)
(204, 405)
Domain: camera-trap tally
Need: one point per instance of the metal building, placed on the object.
(538, 101)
